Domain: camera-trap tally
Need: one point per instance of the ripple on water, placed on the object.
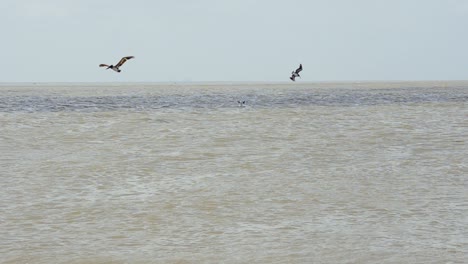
(300, 175)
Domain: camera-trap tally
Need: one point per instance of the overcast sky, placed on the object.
(233, 40)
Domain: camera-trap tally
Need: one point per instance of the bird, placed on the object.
(241, 104)
(118, 65)
(295, 73)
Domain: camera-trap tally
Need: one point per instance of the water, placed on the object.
(304, 173)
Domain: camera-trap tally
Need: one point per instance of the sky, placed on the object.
(233, 40)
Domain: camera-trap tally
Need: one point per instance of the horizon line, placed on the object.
(227, 82)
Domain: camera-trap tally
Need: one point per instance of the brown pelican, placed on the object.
(295, 73)
(117, 66)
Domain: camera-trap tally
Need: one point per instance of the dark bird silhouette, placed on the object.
(295, 73)
(241, 104)
(118, 65)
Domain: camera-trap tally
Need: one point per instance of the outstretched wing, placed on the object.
(123, 60)
(298, 70)
(103, 65)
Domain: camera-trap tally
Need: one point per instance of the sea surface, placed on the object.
(364, 172)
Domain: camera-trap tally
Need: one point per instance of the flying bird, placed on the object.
(118, 65)
(295, 73)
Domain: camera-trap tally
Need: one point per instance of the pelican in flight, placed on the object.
(118, 65)
(295, 73)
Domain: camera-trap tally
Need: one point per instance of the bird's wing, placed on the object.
(299, 69)
(123, 60)
(103, 65)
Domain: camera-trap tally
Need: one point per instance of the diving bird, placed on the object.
(118, 65)
(295, 73)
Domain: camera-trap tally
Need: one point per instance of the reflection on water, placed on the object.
(329, 173)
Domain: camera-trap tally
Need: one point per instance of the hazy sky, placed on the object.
(233, 40)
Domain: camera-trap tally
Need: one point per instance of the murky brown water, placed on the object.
(311, 173)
